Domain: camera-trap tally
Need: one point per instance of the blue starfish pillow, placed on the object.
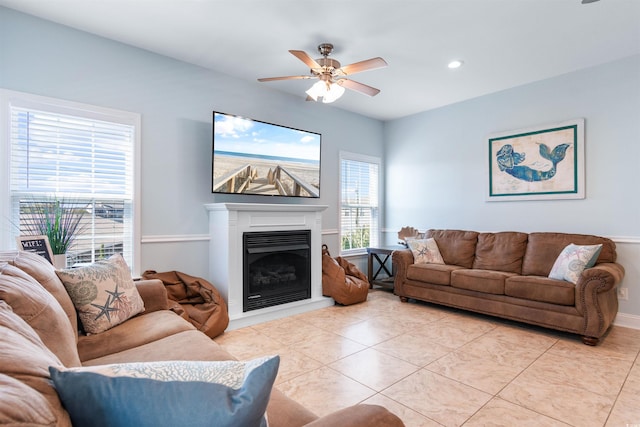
(103, 293)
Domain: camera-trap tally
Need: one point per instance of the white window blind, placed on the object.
(86, 163)
(359, 202)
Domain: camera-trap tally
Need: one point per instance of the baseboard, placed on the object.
(627, 320)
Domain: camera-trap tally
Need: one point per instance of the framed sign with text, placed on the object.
(38, 244)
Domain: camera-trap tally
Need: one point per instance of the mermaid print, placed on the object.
(509, 162)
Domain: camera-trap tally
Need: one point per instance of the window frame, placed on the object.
(350, 156)
(9, 99)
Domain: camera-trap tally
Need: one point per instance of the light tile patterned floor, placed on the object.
(435, 366)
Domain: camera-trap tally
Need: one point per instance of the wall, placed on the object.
(176, 101)
(436, 163)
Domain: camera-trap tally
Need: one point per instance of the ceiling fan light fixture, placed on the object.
(329, 92)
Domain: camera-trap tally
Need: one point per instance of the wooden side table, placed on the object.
(380, 255)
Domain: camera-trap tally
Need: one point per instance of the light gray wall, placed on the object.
(176, 101)
(436, 163)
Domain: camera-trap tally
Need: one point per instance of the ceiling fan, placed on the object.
(332, 77)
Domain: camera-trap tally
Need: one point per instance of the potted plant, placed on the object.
(57, 218)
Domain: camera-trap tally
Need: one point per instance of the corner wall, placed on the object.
(436, 164)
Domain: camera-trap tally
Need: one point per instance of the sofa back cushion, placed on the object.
(500, 251)
(457, 247)
(543, 250)
(45, 274)
(25, 359)
(41, 311)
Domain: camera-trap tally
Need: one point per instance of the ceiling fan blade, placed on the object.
(369, 64)
(302, 56)
(270, 79)
(358, 87)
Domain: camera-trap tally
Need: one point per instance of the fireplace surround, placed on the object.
(231, 223)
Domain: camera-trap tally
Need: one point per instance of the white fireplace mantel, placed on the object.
(227, 224)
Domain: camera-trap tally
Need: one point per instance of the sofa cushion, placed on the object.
(225, 393)
(45, 274)
(425, 251)
(103, 293)
(457, 247)
(487, 281)
(573, 260)
(543, 250)
(500, 251)
(41, 311)
(25, 358)
(542, 289)
(187, 345)
(135, 332)
(438, 274)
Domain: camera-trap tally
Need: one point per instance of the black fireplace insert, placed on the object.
(277, 268)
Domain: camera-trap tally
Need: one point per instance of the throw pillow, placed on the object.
(573, 260)
(227, 393)
(103, 293)
(425, 251)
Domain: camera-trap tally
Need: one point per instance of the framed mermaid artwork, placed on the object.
(539, 163)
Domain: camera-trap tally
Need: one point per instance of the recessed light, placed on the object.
(455, 64)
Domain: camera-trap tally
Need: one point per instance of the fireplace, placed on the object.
(276, 268)
(282, 225)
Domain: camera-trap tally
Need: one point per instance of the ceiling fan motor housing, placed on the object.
(328, 64)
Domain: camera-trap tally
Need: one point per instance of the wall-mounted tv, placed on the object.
(254, 157)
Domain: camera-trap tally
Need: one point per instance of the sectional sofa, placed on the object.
(39, 339)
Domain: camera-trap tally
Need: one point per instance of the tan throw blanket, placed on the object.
(195, 299)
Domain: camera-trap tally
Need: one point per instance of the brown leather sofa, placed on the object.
(28, 397)
(506, 275)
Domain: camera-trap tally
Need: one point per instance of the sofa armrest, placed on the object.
(154, 295)
(401, 259)
(358, 416)
(596, 297)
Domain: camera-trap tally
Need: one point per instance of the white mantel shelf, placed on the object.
(227, 224)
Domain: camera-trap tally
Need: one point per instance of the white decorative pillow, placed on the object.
(230, 373)
(425, 251)
(573, 260)
(103, 293)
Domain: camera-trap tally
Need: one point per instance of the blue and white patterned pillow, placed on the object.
(573, 260)
(221, 394)
(231, 373)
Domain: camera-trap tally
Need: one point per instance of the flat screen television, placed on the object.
(255, 157)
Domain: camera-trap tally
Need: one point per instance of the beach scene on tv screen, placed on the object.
(252, 157)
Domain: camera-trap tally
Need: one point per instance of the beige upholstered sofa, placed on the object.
(38, 329)
(506, 275)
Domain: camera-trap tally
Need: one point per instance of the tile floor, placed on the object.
(435, 366)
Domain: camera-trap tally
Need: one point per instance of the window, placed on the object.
(359, 202)
(77, 157)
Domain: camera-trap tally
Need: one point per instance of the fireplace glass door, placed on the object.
(277, 268)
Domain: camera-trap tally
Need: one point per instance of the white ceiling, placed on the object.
(504, 43)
